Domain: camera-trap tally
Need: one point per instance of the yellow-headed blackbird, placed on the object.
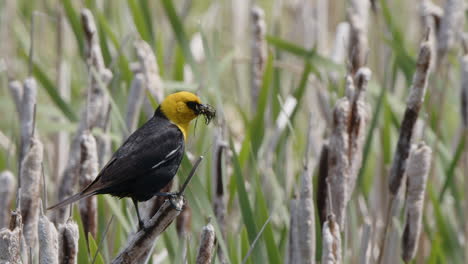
(149, 159)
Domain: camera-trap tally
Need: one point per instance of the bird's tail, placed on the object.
(71, 199)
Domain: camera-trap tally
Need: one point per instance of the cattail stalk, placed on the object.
(219, 164)
(347, 141)
(30, 190)
(148, 66)
(413, 105)
(95, 114)
(207, 241)
(28, 103)
(139, 247)
(88, 172)
(464, 85)
(431, 15)
(68, 242)
(48, 241)
(258, 52)
(450, 27)
(306, 220)
(16, 90)
(358, 16)
(134, 103)
(293, 247)
(331, 242)
(366, 244)
(417, 173)
(7, 191)
(322, 188)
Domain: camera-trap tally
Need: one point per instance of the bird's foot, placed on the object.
(166, 194)
(141, 226)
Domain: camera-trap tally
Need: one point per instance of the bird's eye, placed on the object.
(194, 106)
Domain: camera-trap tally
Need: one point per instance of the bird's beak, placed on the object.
(207, 111)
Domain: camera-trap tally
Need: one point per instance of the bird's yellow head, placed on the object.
(182, 107)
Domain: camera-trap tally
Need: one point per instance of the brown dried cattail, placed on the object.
(451, 27)
(7, 191)
(207, 241)
(322, 188)
(139, 247)
(357, 126)
(358, 16)
(293, 247)
(331, 242)
(28, 103)
(417, 172)
(338, 163)
(10, 245)
(95, 114)
(88, 172)
(134, 103)
(68, 242)
(48, 240)
(149, 68)
(258, 52)
(30, 190)
(415, 100)
(16, 90)
(464, 86)
(306, 219)
(366, 244)
(431, 15)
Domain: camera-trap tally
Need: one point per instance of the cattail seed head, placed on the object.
(68, 242)
(207, 241)
(417, 172)
(31, 169)
(7, 191)
(48, 241)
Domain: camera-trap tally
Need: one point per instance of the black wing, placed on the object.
(151, 147)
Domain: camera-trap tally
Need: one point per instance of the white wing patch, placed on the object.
(168, 157)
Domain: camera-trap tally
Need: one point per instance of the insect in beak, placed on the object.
(207, 111)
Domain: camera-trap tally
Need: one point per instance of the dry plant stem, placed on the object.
(331, 240)
(48, 241)
(16, 90)
(205, 252)
(322, 187)
(450, 27)
(139, 247)
(464, 86)
(417, 173)
(293, 247)
(431, 16)
(258, 52)
(358, 16)
(306, 219)
(28, 103)
(7, 191)
(413, 105)
(134, 103)
(88, 172)
(366, 243)
(30, 190)
(68, 242)
(219, 164)
(95, 113)
(149, 68)
(338, 163)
